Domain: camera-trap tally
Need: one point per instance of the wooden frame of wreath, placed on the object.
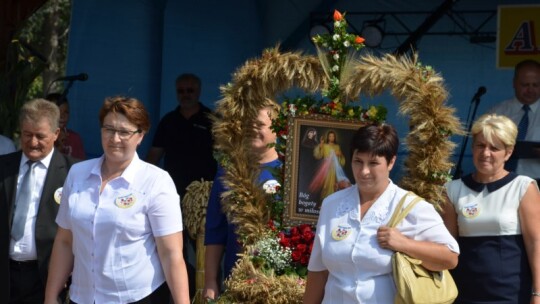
(421, 95)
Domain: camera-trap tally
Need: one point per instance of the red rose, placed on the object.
(305, 228)
(308, 236)
(304, 260)
(296, 256)
(301, 247)
(283, 240)
(359, 40)
(271, 225)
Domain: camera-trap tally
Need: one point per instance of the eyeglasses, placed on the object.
(182, 91)
(122, 134)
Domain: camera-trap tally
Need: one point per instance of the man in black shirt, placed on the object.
(184, 138)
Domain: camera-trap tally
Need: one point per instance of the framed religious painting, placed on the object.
(318, 163)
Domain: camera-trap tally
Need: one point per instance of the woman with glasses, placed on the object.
(120, 223)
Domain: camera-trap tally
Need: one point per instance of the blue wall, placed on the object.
(138, 47)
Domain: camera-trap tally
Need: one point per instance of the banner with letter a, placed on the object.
(518, 34)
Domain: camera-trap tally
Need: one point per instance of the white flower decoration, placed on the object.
(346, 43)
(337, 23)
(292, 108)
(335, 68)
(336, 56)
(335, 37)
(271, 186)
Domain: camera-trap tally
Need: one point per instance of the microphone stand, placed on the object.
(476, 101)
(66, 90)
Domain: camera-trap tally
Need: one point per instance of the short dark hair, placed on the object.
(377, 139)
(131, 108)
(189, 76)
(529, 63)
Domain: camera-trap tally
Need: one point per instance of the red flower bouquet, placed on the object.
(299, 240)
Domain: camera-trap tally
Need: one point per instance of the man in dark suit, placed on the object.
(31, 182)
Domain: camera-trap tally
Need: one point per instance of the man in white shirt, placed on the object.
(29, 203)
(524, 110)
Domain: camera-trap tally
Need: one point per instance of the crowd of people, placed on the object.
(110, 229)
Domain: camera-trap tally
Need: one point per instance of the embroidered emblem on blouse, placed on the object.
(376, 214)
(125, 202)
(58, 195)
(343, 209)
(471, 210)
(341, 232)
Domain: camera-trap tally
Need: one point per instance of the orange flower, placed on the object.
(337, 16)
(359, 40)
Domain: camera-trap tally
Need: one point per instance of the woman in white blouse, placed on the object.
(351, 257)
(119, 223)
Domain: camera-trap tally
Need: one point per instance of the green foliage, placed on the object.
(15, 82)
(37, 52)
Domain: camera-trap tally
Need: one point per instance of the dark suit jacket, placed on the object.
(45, 223)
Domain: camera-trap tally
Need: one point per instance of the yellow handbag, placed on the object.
(414, 283)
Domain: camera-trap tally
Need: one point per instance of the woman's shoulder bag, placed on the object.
(414, 283)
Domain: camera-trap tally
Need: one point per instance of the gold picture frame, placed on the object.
(316, 166)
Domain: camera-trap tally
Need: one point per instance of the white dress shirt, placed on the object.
(25, 248)
(360, 271)
(116, 258)
(512, 109)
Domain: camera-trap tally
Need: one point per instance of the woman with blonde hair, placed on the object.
(495, 215)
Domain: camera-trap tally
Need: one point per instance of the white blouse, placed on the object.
(360, 271)
(116, 258)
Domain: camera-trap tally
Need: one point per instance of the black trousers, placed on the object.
(25, 282)
(160, 296)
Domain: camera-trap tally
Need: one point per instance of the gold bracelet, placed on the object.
(535, 294)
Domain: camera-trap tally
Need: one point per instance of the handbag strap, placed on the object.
(400, 213)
